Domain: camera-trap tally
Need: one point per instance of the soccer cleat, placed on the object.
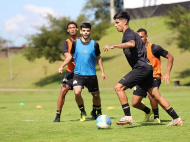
(125, 120)
(57, 119)
(147, 116)
(83, 116)
(99, 113)
(93, 114)
(176, 122)
(157, 120)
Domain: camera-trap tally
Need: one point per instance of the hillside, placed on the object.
(42, 74)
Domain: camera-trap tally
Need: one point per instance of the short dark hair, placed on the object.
(122, 15)
(72, 23)
(142, 30)
(85, 25)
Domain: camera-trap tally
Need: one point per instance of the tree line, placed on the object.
(47, 43)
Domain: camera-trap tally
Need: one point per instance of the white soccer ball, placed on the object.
(103, 122)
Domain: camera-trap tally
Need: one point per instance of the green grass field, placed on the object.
(28, 123)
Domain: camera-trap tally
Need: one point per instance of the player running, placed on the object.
(153, 54)
(141, 74)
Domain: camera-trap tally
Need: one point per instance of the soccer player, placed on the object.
(153, 54)
(67, 83)
(86, 52)
(141, 74)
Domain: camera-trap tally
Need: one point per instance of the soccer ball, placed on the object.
(103, 122)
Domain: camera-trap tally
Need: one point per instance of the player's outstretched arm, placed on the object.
(166, 77)
(125, 45)
(68, 58)
(99, 60)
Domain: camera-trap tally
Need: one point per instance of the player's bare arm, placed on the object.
(68, 58)
(125, 45)
(166, 77)
(99, 61)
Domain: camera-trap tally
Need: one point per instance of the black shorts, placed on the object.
(68, 79)
(140, 77)
(140, 92)
(90, 82)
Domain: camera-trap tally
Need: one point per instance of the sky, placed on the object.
(18, 18)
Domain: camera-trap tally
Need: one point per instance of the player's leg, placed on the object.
(154, 92)
(128, 81)
(67, 84)
(96, 111)
(80, 102)
(154, 104)
(134, 77)
(136, 102)
(78, 82)
(120, 90)
(155, 109)
(60, 101)
(91, 83)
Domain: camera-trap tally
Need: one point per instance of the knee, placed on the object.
(77, 93)
(63, 92)
(118, 88)
(96, 95)
(134, 104)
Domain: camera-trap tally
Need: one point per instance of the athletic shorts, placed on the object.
(90, 82)
(140, 92)
(68, 79)
(140, 77)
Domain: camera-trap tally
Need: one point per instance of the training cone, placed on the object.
(21, 104)
(38, 106)
(110, 107)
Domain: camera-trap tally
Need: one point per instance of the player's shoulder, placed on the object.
(96, 43)
(130, 33)
(156, 47)
(65, 44)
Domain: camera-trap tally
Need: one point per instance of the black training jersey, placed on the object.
(96, 47)
(158, 51)
(136, 56)
(65, 46)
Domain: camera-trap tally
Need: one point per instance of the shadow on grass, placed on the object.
(141, 124)
(183, 75)
(87, 119)
(2, 107)
(166, 120)
(50, 79)
(58, 77)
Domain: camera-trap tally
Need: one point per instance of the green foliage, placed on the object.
(178, 20)
(99, 29)
(101, 8)
(48, 42)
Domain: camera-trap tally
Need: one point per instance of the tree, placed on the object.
(101, 8)
(178, 20)
(49, 41)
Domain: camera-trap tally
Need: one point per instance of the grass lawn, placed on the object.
(28, 123)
